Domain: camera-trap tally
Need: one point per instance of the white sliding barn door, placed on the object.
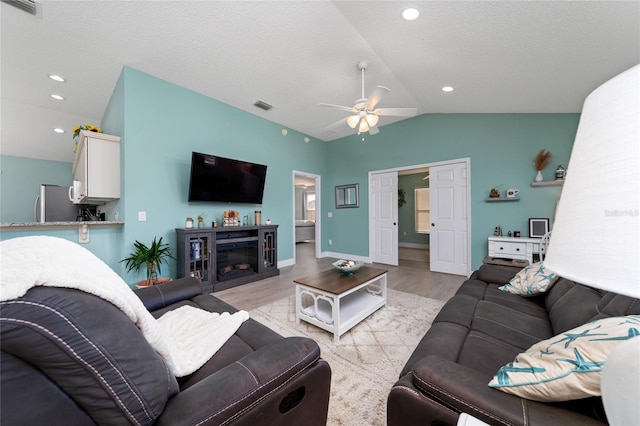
(449, 233)
(383, 218)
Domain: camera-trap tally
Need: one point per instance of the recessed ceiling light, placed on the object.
(447, 89)
(410, 14)
(57, 78)
(57, 97)
(58, 130)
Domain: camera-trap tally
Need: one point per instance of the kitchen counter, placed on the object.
(28, 226)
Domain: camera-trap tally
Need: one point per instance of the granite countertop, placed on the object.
(17, 226)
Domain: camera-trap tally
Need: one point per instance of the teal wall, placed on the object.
(407, 213)
(501, 148)
(160, 124)
(20, 184)
(164, 123)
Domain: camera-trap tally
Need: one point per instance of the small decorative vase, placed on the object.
(539, 177)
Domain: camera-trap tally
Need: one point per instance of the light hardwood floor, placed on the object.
(412, 276)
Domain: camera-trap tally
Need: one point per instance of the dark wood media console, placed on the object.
(227, 256)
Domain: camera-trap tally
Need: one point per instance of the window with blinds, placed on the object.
(423, 211)
(310, 205)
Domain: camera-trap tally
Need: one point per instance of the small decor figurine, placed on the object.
(231, 218)
(560, 172)
(540, 162)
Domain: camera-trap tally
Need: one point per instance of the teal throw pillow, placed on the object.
(533, 279)
(569, 365)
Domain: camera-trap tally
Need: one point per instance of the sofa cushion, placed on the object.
(531, 280)
(510, 324)
(491, 293)
(90, 350)
(569, 365)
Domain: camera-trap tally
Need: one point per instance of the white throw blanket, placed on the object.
(185, 337)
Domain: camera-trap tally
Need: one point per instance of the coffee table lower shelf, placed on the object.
(338, 313)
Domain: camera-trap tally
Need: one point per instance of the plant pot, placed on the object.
(149, 283)
(494, 195)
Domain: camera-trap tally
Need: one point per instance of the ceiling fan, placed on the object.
(365, 115)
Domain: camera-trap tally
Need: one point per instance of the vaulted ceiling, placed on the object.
(499, 56)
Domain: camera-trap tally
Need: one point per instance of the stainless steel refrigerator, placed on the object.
(53, 205)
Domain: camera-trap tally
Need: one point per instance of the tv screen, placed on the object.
(222, 179)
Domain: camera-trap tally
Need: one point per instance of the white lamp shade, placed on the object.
(372, 119)
(352, 121)
(364, 127)
(596, 233)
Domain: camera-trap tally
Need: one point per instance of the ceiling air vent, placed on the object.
(263, 105)
(28, 6)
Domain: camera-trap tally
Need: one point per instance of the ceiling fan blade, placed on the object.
(335, 125)
(376, 96)
(397, 112)
(373, 130)
(343, 108)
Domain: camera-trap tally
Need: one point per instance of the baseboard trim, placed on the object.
(346, 256)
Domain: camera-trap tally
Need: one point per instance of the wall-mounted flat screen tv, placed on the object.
(222, 179)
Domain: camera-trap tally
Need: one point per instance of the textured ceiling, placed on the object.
(520, 56)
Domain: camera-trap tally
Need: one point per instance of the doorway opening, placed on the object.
(448, 213)
(306, 213)
(414, 218)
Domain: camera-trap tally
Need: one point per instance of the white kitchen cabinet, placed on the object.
(96, 168)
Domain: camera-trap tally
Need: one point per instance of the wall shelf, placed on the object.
(495, 200)
(558, 182)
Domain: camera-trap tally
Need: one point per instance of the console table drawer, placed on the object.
(514, 248)
(502, 247)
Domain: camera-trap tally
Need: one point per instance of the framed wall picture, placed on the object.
(347, 196)
(538, 227)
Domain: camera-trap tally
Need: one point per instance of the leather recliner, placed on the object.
(68, 357)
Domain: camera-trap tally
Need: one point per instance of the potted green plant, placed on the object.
(494, 192)
(152, 257)
(201, 218)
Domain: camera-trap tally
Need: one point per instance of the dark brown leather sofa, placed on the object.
(480, 330)
(71, 358)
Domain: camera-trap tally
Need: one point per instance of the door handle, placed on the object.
(394, 224)
(433, 224)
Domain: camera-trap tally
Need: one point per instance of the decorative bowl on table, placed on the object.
(347, 267)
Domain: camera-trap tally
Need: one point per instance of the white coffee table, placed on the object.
(336, 302)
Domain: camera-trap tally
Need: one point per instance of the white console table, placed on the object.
(515, 248)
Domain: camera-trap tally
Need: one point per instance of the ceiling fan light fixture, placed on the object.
(372, 119)
(364, 127)
(352, 121)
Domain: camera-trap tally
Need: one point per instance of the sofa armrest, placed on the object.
(465, 390)
(160, 295)
(232, 391)
(494, 274)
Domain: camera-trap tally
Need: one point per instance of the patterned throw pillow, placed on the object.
(533, 279)
(569, 365)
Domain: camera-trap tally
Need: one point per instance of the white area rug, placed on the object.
(367, 360)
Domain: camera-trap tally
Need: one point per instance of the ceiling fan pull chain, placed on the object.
(363, 68)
